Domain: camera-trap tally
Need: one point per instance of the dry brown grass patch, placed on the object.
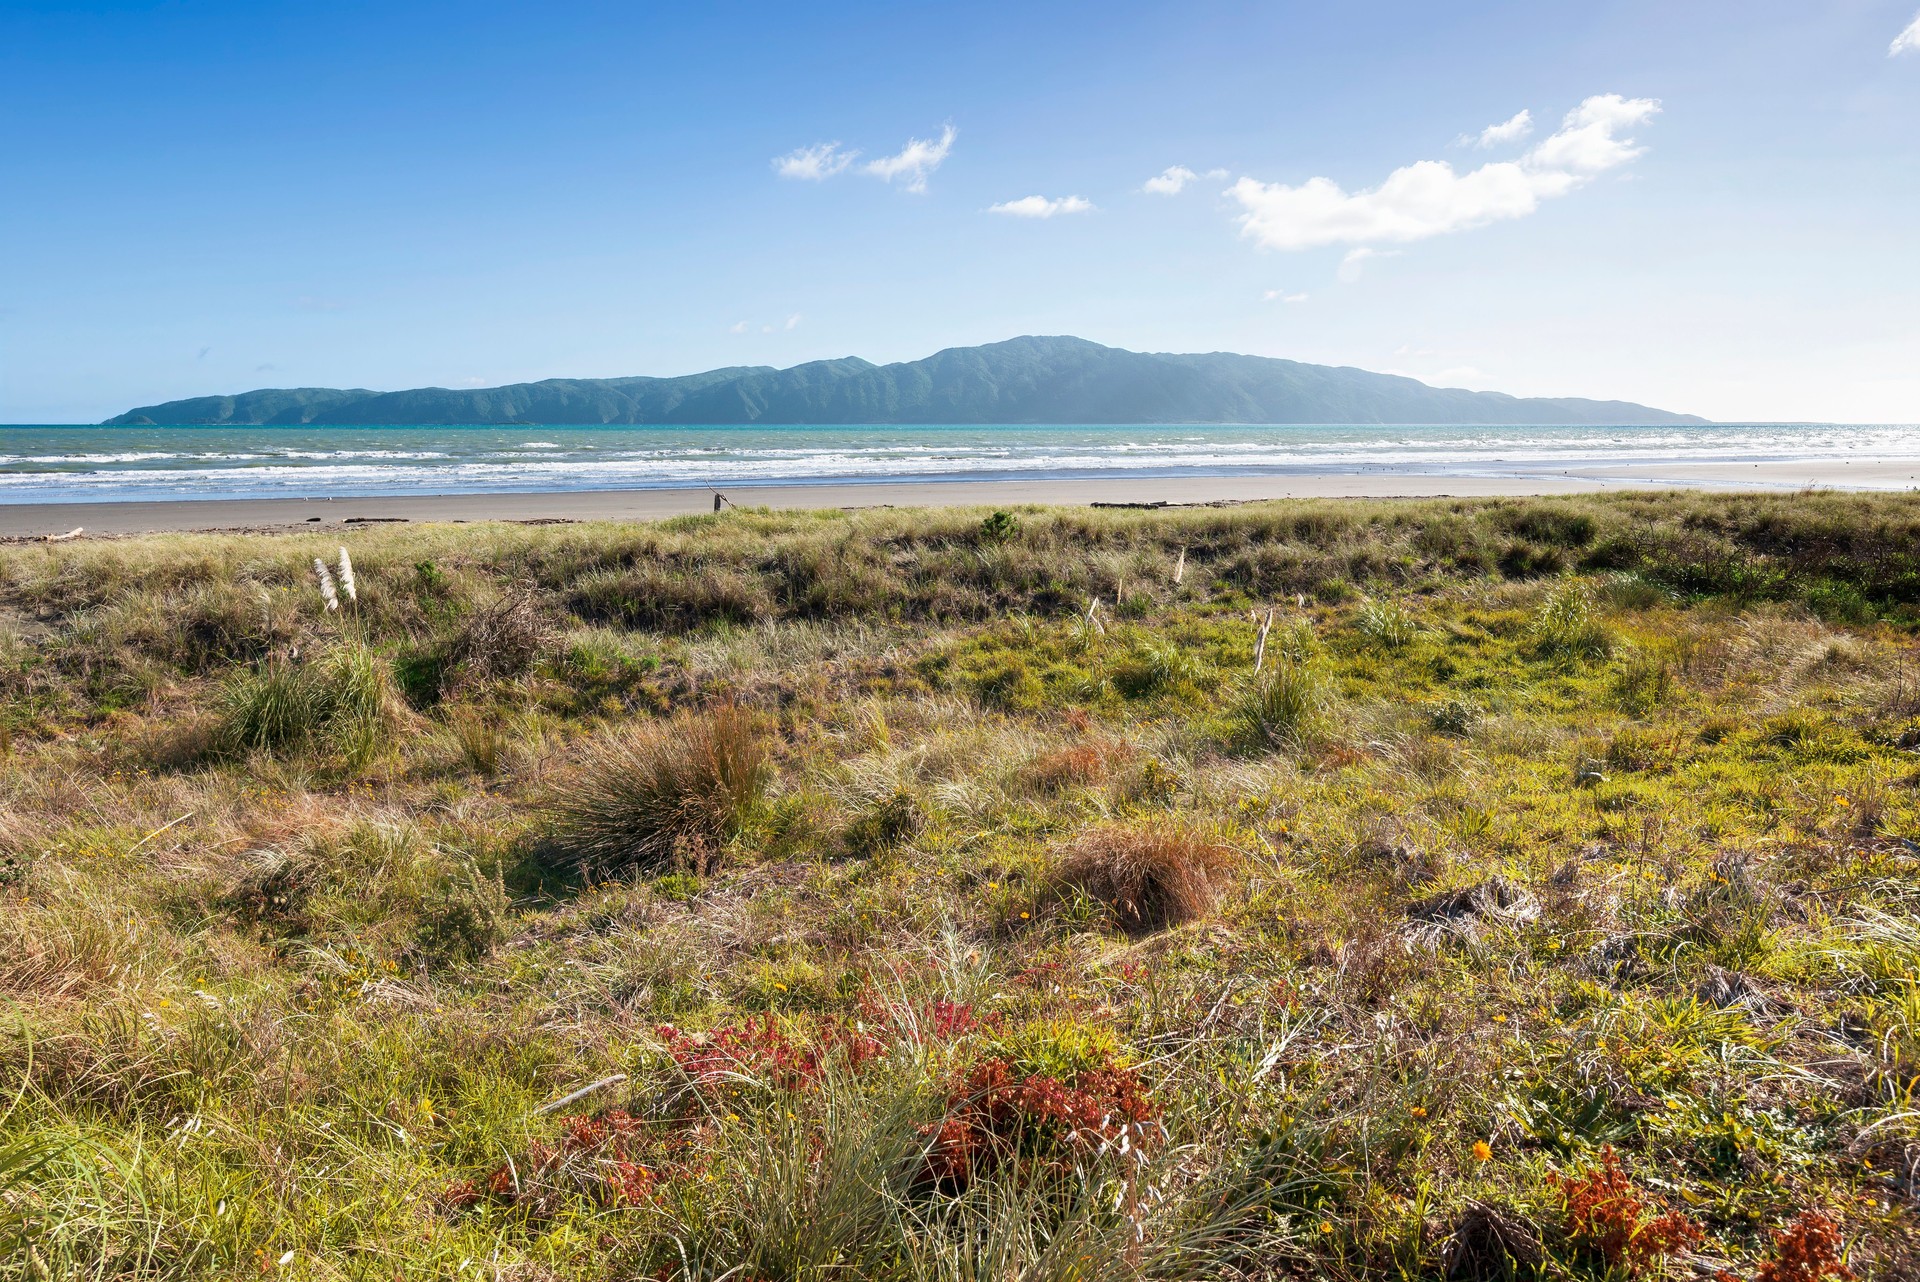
(1148, 877)
(1081, 765)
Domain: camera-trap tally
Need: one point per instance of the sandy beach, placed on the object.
(32, 520)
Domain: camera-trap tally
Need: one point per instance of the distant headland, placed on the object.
(1022, 380)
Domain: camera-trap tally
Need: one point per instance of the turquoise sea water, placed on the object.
(73, 464)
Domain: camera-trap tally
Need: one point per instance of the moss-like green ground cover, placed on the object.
(945, 895)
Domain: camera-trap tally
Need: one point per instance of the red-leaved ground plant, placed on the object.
(596, 1159)
(1609, 1217)
(996, 1114)
(1807, 1250)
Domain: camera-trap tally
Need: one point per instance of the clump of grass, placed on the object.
(1565, 627)
(1079, 765)
(1147, 877)
(665, 796)
(344, 703)
(889, 823)
(1283, 708)
(1388, 624)
(1155, 669)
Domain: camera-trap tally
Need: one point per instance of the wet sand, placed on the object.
(41, 519)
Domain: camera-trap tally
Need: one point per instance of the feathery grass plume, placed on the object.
(327, 592)
(1149, 877)
(665, 795)
(1260, 644)
(346, 576)
(1284, 708)
(1180, 568)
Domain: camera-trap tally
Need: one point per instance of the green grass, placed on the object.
(906, 926)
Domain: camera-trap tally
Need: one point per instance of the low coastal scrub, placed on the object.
(1437, 889)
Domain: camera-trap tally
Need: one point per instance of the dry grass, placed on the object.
(1148, 877)
(655, 797)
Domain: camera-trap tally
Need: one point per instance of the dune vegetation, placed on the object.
(1495, 888)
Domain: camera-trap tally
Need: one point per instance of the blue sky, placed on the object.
(1711, 206)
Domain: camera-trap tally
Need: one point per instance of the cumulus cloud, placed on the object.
(1907, 41)
(914, 161)
(1174, 179)
(1041, 206)
(1511, 130)
(814, 164)
(1170, 181)
(1429, 198)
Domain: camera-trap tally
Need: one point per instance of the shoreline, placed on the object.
(141, 516)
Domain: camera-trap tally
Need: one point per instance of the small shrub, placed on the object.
(497, 643)
(1564, 627)
(999, 527)
(1284, 707)
(1388, 624)
(657, 797)
(1148, 878)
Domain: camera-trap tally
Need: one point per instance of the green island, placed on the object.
(1314, 889)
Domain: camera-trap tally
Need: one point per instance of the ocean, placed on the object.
(92, 464)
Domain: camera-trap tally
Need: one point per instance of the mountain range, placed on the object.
(1022, 380)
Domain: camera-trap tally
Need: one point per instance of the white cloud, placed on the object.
(1429, 198)
(1041, 207)
(738, 327)
(1281, 296)
(1357, 259)
(794, 320)
(1174, 179)
(1170, 181)
(1907, 41)
(814, 164)
(1506, 131)
(914, 161)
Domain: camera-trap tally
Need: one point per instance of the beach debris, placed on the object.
(1093, 618)
(1180, 568)
(327, 591)
(347, 584)
(74, 533)
(1260, 646)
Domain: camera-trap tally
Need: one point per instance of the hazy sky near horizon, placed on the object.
(1711, 207)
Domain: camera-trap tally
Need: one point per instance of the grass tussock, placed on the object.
(1146, 877)
(653, 798)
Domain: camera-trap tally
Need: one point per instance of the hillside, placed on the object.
(1023, 380)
